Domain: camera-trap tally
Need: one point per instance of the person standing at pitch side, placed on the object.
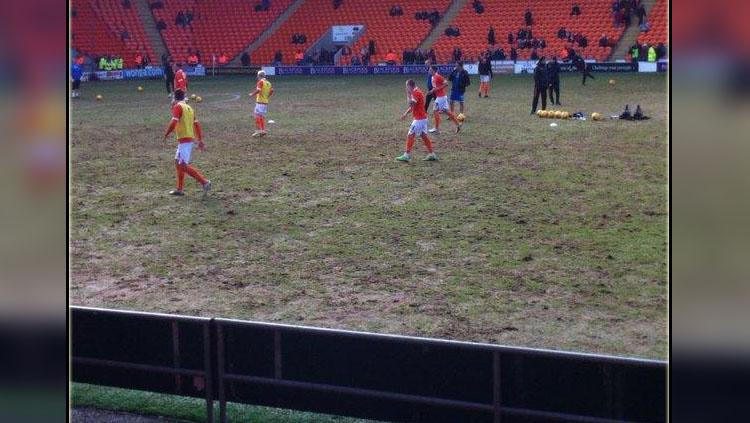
(553, 74)
(540, 85)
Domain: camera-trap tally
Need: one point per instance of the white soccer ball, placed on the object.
(553, 124)
(271, 121)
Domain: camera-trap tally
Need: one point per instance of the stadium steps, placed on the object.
(453, 10)
(268, 32)
(631, 34)
(149, 26)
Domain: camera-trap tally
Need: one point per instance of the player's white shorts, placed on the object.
(184, 149)
(261, 109)
(441, 104)
(418, 127)
(484, 78)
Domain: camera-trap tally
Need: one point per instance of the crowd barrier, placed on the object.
(385, 377)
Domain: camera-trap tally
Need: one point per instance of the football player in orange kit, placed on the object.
(418, 125)
(180, 79)
(186, 128)
(263, 92)
(441, 101)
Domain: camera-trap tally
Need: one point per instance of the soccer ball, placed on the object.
(565, 115)
(543, 113)
(596, 116)
(198, 99)
(461, 117)
(193, 96)
(99, 97)
(612, 82)
(140, 88)
(540, 113)
(558, 114)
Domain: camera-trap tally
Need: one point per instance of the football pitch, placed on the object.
(522, 234)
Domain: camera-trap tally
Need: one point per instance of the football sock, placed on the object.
(427, 142)
(180, 177)
(194, 173)
(410, 143)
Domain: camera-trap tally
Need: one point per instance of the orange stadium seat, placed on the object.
(315, 17)
(97, 29)
(508, 16)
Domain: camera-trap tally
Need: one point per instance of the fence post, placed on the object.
(497, 397)
(209, 374)
(220, 372)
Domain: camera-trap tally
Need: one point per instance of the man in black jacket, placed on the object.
(582, 67)
(553, 74)
(168, 75)
(540, 85)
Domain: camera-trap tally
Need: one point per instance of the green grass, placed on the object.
(187, 409)
(522, 234)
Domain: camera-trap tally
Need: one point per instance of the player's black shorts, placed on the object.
(76, 84)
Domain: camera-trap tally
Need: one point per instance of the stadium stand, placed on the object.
(658, 19)
(107, 27)
(315, 17)
(218, 26)
(508, 16)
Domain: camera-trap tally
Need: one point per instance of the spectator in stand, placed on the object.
(337, 3)
(510, 38)
(452, 31)
(640, 12)
(396, 10)
(346, 51)
(431, 56)
(138, 60)
(604, 41)
(491, 36)
(576, 10)
(180, 19)
(278, 58)
(661, 51)
(126, 4)
(158, 4)
(513, 54)
(245, 59)
(371, 48)
(161, 25)
(124, 35)
(478, 6)
(583, 42)
(356, 61)
(365, 55)
(418, 56)
(391, 58)
(189, 18)
(457, 53)
(299, 57)
(534, 55)
(528, 18)
(645, 27)
(500, 53)
(562, 33)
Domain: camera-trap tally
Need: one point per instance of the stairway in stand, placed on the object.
(157, 43)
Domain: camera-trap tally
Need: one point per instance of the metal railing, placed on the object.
(386, 377)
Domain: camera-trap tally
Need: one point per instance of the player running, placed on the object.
(185, 127)
(418, 125)
(180, 80)
(441, 101)
(263, 92)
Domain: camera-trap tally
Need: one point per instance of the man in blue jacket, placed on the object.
(76, 72)
(459, 81)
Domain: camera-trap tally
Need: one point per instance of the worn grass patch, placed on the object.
(521, 234)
